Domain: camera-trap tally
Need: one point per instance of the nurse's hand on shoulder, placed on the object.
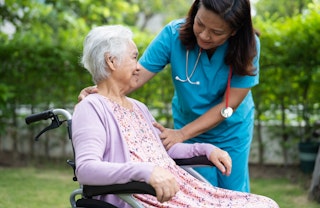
(164, 183)
(168, 136)
(86, 91)
(222, 160)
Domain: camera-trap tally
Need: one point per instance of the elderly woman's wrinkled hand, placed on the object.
(86, 91)
(164, 184)
(222, 160)
(168, 136)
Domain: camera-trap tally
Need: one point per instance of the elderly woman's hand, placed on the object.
(86, 91)
(221, 160)
(169, 137)
(164, 184)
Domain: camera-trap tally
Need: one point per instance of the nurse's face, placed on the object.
(210, 29)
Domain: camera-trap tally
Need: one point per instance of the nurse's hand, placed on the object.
(169, 137)
(86, 91)
(222, 160)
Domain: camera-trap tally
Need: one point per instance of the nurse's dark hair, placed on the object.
(242, 46)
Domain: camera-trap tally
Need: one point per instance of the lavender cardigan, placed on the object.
(102, 155)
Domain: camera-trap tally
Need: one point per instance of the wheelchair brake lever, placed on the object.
(54, 124)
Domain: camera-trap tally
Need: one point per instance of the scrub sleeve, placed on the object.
(190, 100)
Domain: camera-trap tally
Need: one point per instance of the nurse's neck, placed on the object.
(210, 52)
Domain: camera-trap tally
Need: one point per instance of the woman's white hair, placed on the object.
(102, 41)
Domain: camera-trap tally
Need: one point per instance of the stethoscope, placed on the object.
(227, 111)
(188, 78)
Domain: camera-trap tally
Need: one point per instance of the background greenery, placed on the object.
(40, 62)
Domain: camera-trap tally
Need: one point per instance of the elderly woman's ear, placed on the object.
(110, 61)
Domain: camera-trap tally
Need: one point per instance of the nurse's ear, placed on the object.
(234, 33)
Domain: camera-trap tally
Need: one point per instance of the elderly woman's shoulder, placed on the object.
(92, 99)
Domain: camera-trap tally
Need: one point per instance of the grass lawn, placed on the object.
(284, 192)
(49, 187)
(35, 188)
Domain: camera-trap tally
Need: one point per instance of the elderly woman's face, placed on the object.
(128, 67)
(210, 29)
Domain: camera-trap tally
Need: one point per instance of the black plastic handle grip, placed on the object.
(39, 116)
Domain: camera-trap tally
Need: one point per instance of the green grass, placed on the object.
(284, 192)
(50, 187)
(35, 188)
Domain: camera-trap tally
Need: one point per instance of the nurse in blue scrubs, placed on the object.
(214, 57)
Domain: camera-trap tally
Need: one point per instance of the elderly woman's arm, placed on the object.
(91, 145)
(217, 156)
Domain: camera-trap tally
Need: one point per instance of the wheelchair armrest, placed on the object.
(133, 187)
(194, 161)
(136, 187)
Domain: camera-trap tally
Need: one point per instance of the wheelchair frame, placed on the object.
(123, 191)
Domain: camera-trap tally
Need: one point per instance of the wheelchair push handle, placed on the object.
(55, 121)
(39, 116)
(53, 114)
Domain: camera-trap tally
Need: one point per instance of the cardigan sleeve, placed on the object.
(186, 150)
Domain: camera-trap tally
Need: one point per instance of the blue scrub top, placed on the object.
(191, 101)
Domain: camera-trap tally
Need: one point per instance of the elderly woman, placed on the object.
(115, 140)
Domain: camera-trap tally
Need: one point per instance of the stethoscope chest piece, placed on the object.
(226, 112)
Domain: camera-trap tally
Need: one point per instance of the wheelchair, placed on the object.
(84, 196)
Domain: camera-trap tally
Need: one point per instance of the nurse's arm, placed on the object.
(213, 116)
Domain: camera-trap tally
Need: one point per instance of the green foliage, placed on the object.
(281, 8)
(287, 97)
(289, 58)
